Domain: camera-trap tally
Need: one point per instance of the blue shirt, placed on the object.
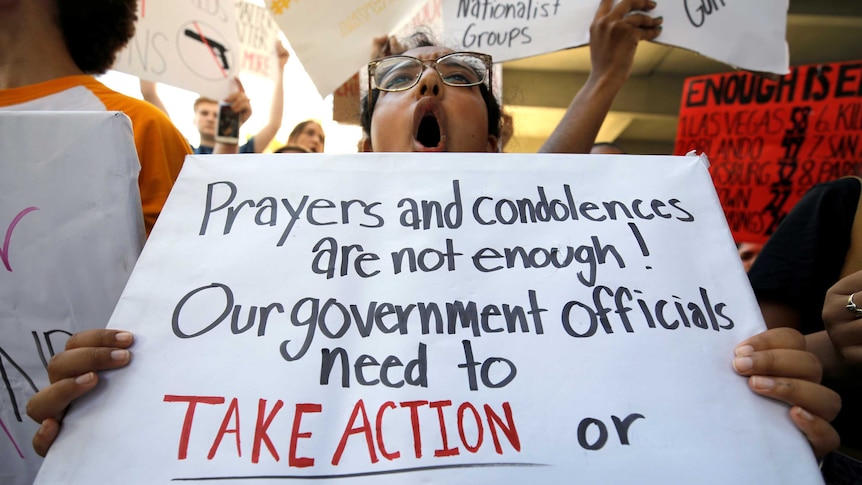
(248, 147)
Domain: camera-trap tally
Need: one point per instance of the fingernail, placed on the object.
(119, 355)
(762, 383)
(651, 4)
(804, 414)
(743, 350)
(124, 337)
(660, 18)
(743, 364)
(85, 378)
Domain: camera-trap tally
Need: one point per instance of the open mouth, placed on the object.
(428, 133)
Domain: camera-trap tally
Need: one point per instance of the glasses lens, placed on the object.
(397, 73)
(462, 69)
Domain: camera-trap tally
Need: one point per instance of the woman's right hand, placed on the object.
(72, 373)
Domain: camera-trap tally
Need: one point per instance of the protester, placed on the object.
(430, 108)
(206, 113)
(291, 149)
(607, 148)
(812, 249)
(748, 252)
(49, 50)
(309, 135)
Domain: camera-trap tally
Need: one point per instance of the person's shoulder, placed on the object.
(849, 185)
(843, 191)
(148, 122)
(134, 108)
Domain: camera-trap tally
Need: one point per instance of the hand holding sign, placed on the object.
(780, 352)
(72, 374)
(615, 34)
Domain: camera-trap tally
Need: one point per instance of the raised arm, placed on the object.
(276, 108)
(150, 95)
(614, 36)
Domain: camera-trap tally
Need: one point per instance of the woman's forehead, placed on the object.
(428, 53)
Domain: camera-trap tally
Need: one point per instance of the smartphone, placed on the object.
(227, 125)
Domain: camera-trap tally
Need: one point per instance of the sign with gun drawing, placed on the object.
(191, 45)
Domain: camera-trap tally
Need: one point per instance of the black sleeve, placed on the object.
(803, 258)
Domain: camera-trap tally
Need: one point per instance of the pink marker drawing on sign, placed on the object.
(11, 439)
(4, 253)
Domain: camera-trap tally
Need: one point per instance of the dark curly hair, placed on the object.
(95, 30)
(424, 39)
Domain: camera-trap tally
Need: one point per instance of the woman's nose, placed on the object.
(430, 83)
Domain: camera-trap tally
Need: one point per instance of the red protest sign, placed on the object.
(768, 141)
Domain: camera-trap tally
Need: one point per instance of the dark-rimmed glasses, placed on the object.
(400, 73)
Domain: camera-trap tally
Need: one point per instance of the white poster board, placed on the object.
(258, 33)
(749, 35)
(333, 38)
(355, 317)
(191, 45)
(71, 228)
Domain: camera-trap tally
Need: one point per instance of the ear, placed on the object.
(493, 144)
(365, 144)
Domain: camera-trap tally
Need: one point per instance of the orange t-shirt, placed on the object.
(160, 146)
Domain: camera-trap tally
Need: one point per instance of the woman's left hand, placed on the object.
(844, 321)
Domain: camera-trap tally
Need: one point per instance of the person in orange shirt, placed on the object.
(49, 52)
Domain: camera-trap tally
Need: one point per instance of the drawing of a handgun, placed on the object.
(213, 45)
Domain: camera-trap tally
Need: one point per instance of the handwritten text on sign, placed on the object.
(750, 35)
(452, 316)
(769, 142)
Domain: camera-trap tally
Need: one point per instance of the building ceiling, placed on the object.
(643, 118)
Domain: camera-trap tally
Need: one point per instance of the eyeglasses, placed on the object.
(400, 73)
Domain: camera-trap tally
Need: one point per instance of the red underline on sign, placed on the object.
(361, 474)
(212, 54)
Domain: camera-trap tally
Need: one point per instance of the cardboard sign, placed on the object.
(769, 142)
(749, 35)
(461, 318)
(72, 228)
(333, 39)
(192, 45)
(258, 33)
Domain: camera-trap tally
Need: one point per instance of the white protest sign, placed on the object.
(192, 45)
(461, 318)
(258, 34)
(748, 35)
(333, 39)
(72, 228)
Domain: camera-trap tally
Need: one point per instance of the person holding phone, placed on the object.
(207, 110)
